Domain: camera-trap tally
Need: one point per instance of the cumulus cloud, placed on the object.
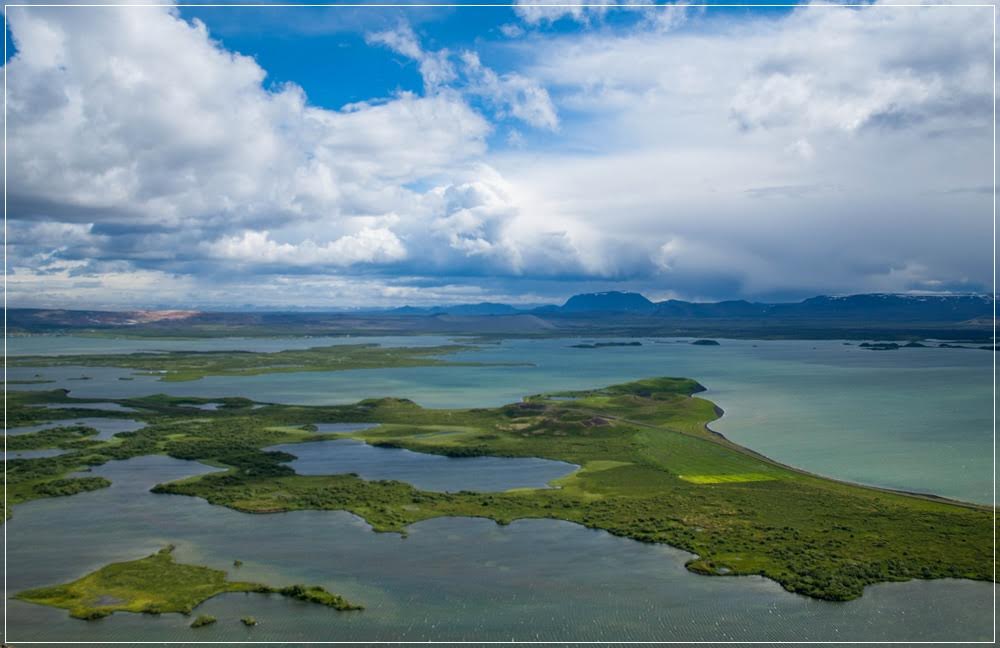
(884, 67)
(158, 122)
(861, 117)
(135, 121)
(534, 12)
(700, 154)
(522, 97)
(369, 245)
(435, 67)
(510, 94)
(661, 16)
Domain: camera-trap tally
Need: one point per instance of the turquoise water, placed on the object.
(425, 471)
(75, 345)
(913, 419)
(449, 579)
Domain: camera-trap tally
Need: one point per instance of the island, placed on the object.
(651, 469)
(880, 346)
(178, 366)
(157, 584)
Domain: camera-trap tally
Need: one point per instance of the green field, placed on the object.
(650, 470)
(157, 584)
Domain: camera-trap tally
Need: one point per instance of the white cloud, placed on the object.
(678, 137)
(137, 121)
(802, 148)
(435, 67)
(535, 12)
(662, 17)
(369, 245)
(522, 97)
(140, 112)
(511, 30)
(510, 94)
(707, 154)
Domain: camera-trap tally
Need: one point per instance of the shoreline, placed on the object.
(802, 471)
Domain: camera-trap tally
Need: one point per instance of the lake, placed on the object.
(919, 419)
(425, 471)
(106, 427)
(914, 419)
(449, 579)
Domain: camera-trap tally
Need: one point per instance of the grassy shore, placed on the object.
(650, 470)
(157, 584)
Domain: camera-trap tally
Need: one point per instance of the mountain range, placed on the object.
(877, 307)
(870, 316)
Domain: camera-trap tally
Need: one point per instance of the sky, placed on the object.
(362, 156)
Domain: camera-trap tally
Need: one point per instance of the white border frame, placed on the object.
(703, 5)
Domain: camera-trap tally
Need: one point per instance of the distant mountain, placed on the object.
(43, 319)
(482, 308)
(723, 309)
(957, 317)
(608, 302)
(861, 308)
(869, 307)
(888, 308)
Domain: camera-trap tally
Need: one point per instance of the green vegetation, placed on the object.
(650, 470)
(192, 365)
(705, 343)
(157, 584)
(249, 621)
(58, 437)
(63, 487)
(317, 595)
(880, 346)
(203, 620)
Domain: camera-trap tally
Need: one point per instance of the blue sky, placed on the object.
(339, 157)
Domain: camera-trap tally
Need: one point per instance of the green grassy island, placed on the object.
(650, 469)
(192, 365)
(157, 584)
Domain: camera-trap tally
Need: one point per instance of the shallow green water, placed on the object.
(75, 344)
